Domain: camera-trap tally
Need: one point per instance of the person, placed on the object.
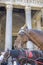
(3, 60)
(4, 63)
(2, 56)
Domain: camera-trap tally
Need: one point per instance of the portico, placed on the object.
(28, 6)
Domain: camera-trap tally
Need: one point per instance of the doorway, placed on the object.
(13, 40)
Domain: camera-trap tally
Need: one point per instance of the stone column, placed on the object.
(28, 17)
(42, 14)
(38, 21)
(0, 33)
(8, 34)
(29, 24)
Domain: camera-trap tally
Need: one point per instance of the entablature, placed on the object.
(32, 3)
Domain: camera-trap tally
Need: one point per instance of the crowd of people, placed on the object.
(20, 54)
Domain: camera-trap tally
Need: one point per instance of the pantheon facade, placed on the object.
(16, 13)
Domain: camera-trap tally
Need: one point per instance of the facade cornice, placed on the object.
(32, 3)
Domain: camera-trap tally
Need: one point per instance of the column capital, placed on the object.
(9, 6)
(28, 8)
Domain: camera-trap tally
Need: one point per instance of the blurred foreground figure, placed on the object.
(36, 36)
(2, 56)
(2, 61)
(23, 56)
